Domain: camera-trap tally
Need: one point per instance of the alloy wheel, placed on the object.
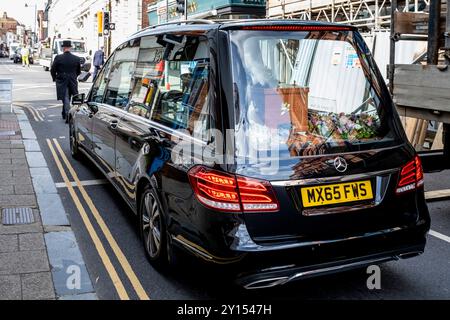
(151, 226)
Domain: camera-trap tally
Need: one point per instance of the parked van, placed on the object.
(47, 55)
(12, 50)
(269, 147)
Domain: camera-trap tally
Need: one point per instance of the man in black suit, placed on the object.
(65, 71)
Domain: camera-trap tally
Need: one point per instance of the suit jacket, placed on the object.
(99, 58)
(65, 71)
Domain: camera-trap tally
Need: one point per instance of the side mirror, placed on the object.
(79, 99)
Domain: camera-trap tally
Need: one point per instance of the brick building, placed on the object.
(145, 5)
(8, 24)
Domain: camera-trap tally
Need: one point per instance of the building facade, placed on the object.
(207, 9)
(8, 24)
(78, 19)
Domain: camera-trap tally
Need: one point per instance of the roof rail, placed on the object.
(179, 22)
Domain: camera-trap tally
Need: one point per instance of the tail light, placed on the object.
(411, 176)
(226, 192)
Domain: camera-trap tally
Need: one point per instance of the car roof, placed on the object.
(205, 25)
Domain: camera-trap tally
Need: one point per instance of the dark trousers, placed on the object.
(66, 104)
(97, 69)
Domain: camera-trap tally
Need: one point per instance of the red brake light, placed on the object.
(226, 192)
(411, 176)
(297, 28)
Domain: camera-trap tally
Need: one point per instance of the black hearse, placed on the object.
(271, 148)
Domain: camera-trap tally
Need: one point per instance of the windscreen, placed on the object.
(77, 46)
(303, 93)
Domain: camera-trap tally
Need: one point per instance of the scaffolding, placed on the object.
(365, 14)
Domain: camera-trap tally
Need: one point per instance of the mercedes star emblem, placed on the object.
(340, 164)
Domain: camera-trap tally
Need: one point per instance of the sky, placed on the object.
(16, 9)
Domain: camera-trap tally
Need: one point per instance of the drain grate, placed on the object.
(14, 216)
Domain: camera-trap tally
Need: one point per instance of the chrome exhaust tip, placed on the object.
(266, 283)
(408, 255)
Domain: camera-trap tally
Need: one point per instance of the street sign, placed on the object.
(112, 26)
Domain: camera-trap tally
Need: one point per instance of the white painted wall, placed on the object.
(77, 19)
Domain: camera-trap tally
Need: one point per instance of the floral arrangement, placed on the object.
(343, 126)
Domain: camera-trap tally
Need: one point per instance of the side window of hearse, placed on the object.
(98, 89)
(171, 82)
(121, 74)
(148, 73)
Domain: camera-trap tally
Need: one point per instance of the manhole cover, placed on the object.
(12, 216)
(7, 133)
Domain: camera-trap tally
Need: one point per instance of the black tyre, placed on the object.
(153, 229)
(74, 150)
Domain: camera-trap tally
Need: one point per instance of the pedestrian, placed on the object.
(99, 61)
(65, 70)
(25, 53)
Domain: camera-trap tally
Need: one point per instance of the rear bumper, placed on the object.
(273, 277)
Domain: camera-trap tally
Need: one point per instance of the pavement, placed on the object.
(108, 239)
(39, 255)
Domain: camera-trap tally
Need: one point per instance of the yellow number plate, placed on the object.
(336, 193)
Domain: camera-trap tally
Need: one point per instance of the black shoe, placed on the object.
(64, 116)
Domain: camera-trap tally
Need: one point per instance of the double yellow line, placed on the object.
(59, 154)
(37, 114)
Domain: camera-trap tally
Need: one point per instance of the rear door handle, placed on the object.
(113, 124)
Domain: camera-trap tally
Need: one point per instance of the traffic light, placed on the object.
(181, 6)
(106, 20)
(100, 23)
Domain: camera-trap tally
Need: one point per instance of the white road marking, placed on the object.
(35, 87)
(439, 236)
(86, 183)
(437, 194)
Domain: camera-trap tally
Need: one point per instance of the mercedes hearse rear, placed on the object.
(323, 177)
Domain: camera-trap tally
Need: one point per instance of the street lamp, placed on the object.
(35, 23)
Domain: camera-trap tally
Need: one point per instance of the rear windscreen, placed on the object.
(306, 93)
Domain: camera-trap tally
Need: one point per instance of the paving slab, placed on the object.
(79, 297)
(31, 145)
(52, 210)
(44, 185)
(9, 243)
(37, 286)
(36, 160)
(31, 241)
(66, 262)
(22, 262)
(8, 201)
(10, 287)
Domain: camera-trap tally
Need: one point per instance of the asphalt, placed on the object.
(424, 277)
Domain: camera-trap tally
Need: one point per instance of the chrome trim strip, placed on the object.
(188, 246)
(337, 179)
(250, 246)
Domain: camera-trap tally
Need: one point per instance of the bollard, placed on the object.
(5, 95)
